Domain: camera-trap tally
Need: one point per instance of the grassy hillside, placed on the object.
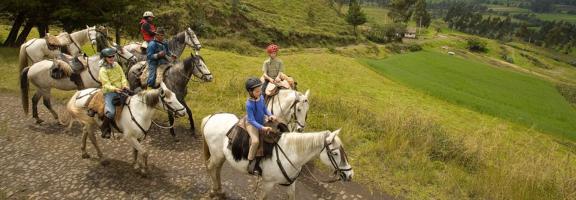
(402, 141)
(502, 93)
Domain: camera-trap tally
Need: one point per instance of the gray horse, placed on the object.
(176, 79)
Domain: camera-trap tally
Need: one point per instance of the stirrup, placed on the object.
(254, 168)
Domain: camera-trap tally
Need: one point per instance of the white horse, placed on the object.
(176, 44)
(291, 107)
(36, 50)
(40, 75)
(134, 122)
(282, 168)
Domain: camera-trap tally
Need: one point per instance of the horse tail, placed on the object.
(206, 149)
(73, 113)
(23, 56)
(24, 88)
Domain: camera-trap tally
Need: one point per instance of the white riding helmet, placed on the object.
(148, 14)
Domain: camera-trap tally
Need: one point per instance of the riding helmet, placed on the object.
(148, 14)
(272, 48)
(107, 52)
(252, 83)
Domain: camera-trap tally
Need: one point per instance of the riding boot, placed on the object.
(105, 128)
(253, 167)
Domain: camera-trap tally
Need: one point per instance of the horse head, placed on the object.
(164, 98)
(91, 33)
(192, 39)
(199, 67)
(334, 156)
(300, 112)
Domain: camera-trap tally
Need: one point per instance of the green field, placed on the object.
(517, 97)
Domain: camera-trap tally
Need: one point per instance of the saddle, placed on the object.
(142, 72)
(66, 66)
(240, 139)
(96, 103)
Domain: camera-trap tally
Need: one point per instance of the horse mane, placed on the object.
(151, 97)
(303, 142)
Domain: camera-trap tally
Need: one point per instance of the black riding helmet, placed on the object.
(252, 83)
(107, 52)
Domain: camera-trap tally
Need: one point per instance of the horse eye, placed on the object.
(299, 109)
(335, 153)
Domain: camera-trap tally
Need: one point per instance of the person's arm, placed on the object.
(124, 80)
(146, 27)
(106, 84)
(251, 117)
(265, 70)
(267, 112)
(151, 51)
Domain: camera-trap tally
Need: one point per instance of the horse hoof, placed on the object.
(39, 121)
(105, 162)
(85, 156)
(176, 140)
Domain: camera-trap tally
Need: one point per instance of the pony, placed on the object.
(36, 50)
(135, 120)
(284, 166)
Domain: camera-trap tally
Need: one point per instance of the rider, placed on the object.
(156, 55)
(273, 67)
(147, 28)
(257, 115)
(113, 83)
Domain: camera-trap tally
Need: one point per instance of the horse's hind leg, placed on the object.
(214, 166)
(92, 135)
(83, 146)
(135, 158)
(35, 100)
(48, 104)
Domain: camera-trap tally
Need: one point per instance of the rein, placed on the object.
(293, 117)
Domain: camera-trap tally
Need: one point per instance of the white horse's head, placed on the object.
(334, 156)
(192, 39)
(301, 107)
(125, 55)
(91, 33)
(164, 98)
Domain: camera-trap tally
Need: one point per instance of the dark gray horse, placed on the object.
(176, 79)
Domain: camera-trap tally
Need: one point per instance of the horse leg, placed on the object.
(92, 136)
(83, 146)
(214, 166)
(143, 161)
(291, 190)
(266, 189)
(48, 104)
(135, 158)
(189, 112)
(172, 132)
(35, 100)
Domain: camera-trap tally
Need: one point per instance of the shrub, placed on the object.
(387, 33)
(477, 45)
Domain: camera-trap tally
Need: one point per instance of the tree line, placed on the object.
(468, 18)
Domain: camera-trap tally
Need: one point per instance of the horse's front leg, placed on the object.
(35, 100)
(171, 121)
(291, 190)
(135, 158)
(190, 118)
(266, 189)
(83, 146)
(142, 153)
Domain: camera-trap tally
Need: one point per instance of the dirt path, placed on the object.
(44, 162)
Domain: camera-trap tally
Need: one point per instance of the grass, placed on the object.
(509, 95)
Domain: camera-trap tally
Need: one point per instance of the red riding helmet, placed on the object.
(272, 48)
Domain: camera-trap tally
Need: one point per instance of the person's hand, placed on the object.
(161, 54)
(277, 79)
(271, 80)
(266, 129)
(118, 90)
(174, 57)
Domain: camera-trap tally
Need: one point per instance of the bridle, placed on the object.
(294, 108)
(166, 106)
(196, 63)
(189, 33)
(130, 60)
(330, 153)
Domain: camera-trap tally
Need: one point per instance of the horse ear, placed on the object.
(336, 132)
(307, 93)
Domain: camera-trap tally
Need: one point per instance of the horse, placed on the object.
(291, 107)
(176, 79)
(176, 44)
(296, 150)
(134, 123)
(36, 50)
(40, 75)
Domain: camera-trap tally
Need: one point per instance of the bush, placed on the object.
(234, 45)
(387, 33)
(414, 47)
(477, 45)
(401, 48)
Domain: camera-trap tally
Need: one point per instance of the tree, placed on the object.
(421, 15)
(355, 15)
(401, 10)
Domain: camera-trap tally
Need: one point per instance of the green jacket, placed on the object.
(112, 78)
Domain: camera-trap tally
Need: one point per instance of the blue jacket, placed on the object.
(257, 112)
(155, 47)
